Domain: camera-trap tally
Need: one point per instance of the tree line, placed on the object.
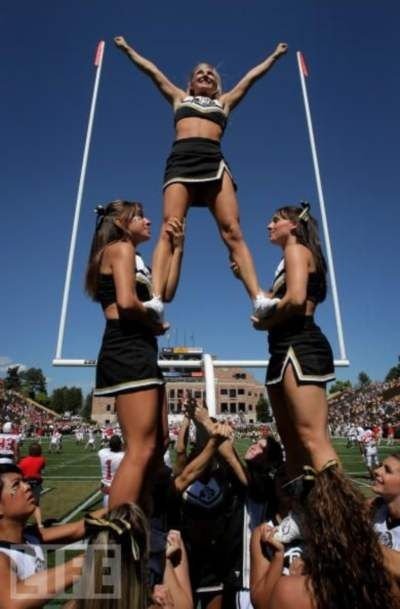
(32, 384)
(363, 380)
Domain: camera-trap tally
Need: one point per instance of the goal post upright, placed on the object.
(98, 62)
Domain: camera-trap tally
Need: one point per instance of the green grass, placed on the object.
(74, 474)
(69, 478)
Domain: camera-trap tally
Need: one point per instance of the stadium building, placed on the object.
(237, 391)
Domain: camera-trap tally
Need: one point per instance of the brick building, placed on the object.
(103, 410)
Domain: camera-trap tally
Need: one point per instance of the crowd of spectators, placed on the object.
(25, 413)
(374, 404)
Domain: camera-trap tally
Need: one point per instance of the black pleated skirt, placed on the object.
(195, 160)
(127, 360)
(300, 342)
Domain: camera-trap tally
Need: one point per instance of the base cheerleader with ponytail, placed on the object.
(301, 359)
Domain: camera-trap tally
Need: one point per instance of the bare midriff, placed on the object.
(310, 307)
(198, 127)
(111, 312)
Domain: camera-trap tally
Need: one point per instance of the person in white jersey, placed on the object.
(91, 439)
(9, 444)
(79, 435)
(370, 452)
(55, 441)
(110, 458)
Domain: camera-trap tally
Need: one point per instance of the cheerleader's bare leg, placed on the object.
(140, 418)
(224, 207)
(176, 203)
(308, 409)
(296, 455)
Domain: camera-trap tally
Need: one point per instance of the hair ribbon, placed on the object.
(329, 465)
(100, 212)
(118, 527)
(305, 212)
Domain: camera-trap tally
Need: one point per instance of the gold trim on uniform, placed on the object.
(292, 358)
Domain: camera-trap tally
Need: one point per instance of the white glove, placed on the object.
(288, 530)
(264, 306)
(156, 306)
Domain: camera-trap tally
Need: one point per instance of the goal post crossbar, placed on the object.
(163, 363)
(207, 363)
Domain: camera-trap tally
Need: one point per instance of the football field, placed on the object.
(71, 477)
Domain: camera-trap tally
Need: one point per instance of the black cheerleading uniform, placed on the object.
(202, 107)
(211, 529)
(127, 359)
(298, 340)
(197, 160)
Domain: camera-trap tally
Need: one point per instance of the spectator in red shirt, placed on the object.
(32, 467)
(390, 434)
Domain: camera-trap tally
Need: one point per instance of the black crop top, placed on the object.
(106, 293)
(316, 285)
(201, 107)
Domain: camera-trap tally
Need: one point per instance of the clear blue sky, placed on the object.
(46, 57)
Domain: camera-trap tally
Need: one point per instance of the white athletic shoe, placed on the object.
(156, 305)
(289, 529)
(264, 306)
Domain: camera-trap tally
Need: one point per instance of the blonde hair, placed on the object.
(125, 528)
(218, 91)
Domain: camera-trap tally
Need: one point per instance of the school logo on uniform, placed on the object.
(386, 539)
(205, 495)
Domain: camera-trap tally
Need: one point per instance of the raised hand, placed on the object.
(221, 432)
(120, 42)
(190, 405)
(267, 538)
(281, 49)
(201, 414)
(162, 597)
(230, 432)
(173, 549)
